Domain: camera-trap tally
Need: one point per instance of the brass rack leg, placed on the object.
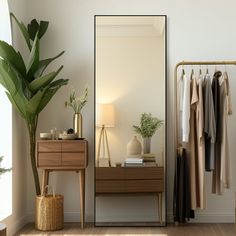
(82, 198)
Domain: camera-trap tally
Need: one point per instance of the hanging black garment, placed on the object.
(216, 100)
(181, 204)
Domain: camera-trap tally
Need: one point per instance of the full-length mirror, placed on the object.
(130, 79)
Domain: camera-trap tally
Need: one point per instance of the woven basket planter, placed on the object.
(49, 213)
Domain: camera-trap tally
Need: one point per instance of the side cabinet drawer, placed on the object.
(49, 147)
(73, 159)
(74, 147)
(49, 159)
(60, 154)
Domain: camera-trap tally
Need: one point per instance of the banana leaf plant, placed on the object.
(27, 86)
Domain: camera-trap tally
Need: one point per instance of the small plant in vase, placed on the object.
(77, 103)
(148, 126)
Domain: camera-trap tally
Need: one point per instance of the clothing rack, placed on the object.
(191, 63)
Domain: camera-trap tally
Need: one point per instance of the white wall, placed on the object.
(197, 30)
(19, 173)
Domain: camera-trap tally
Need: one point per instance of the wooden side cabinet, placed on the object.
(64, 155)
(131, 180)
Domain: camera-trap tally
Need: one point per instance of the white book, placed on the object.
(133, 160)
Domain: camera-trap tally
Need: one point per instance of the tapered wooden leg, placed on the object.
(45, 180)
(160, 207)
(82, 196)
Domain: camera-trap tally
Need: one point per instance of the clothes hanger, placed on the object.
(207, 71)
(225, 69)
(183, 72)
(180, 149)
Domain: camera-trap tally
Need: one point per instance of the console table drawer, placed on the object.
(144, 186)
(125, 173)
(74, 147)
(110, 186)
(143, 173)
(49, 159)
(129, 186)
(109, 173)
(73, 159)
(49, 147)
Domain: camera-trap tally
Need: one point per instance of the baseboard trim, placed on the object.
(14, 226)
(209, 217)
(68, 217)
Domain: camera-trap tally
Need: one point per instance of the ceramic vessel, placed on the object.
(134, 147)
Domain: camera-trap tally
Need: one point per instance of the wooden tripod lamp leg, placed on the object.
(107, 147)
(99, 145)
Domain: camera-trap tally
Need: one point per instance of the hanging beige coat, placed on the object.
(201, 145)
(193, 148)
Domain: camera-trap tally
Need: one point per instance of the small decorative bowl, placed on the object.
(68, 136)
(45, 136)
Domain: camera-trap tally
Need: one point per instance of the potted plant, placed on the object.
(148, 126)
(77, 103)
(27, 87)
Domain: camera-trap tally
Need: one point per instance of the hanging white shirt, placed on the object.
(180, 85)
(186, 109)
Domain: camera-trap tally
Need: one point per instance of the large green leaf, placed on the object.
(18, 103)
(8, 77)
(35, 27)
(44, 63)
(49, 93)
(33, 103)
(43, 80)
(33, 59)
(43, 26)
(8, 53)
(23, 30)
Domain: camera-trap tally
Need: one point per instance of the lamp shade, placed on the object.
(105, 115)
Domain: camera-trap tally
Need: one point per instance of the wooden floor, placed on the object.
(171, 230)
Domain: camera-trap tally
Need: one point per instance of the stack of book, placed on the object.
(149, 157)
(134, 161)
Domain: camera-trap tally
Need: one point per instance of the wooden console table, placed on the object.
(131, 180)
(64, 155)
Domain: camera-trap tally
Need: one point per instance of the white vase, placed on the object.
(147, 145)
(134, 147)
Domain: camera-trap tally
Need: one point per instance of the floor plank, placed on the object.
(72, 229)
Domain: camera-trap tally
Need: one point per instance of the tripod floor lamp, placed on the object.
(105, 117)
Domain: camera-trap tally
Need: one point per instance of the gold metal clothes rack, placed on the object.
(191, 63)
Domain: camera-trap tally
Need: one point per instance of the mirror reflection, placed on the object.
(130, 119)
